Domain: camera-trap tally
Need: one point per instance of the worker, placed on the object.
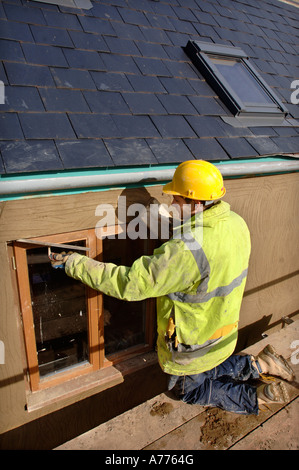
(198, 278)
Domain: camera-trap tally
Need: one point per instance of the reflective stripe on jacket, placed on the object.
(198, 277)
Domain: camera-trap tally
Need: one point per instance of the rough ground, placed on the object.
(163, 423)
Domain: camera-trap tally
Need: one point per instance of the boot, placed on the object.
(269, 362)
(272, 393)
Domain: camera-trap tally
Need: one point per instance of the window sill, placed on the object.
(256, 121)
(86, 385)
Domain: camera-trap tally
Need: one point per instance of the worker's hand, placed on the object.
(58, 260)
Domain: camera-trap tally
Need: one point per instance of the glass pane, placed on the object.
(241, 81)
(124, 321)
(59, 308)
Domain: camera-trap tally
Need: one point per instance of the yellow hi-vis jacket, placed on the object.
(198, 278)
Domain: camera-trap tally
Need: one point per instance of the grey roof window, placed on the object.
(235, 80)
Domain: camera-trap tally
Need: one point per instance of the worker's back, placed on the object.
(207, 312)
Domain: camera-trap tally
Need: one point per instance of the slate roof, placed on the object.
(112, 86)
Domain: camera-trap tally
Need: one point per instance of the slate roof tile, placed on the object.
(146, 84)
(185, 14)
(143, 103)
(154, 35)
(173, 126)
(44, 55)
(122, 46)
(139, 5)
(24, 74)
(106, 12)
(111, 81)
(169, 150)
(30, 156)
(163, 9)
(96, 25)
(130, 152)
(237, 147)
(206, 149)
(133, 17)
(62, 20)
(201, 88)
(158, 21)
(151, 50)
(286, 144)
(63, 100)
(181, 69)
(53, 36)
(82, 154)
(126, 31)
(15, 31)
(179, 86)
(72, 78)
(19, 98)
(89, 60)
(2, 14)
(93, 42)
(10, 128)
(46, 126)
(263, 145)
(135, 126)
(119, 63)
(2, 168)
(106, 102)
(93, 126)
(3, 74)
(208, 106)
(175, 104)
(118, 72)
(152, 67)
(11, 50)
(24, 14)
(206, 126)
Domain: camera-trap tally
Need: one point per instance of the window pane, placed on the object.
(59, 308)
(241, 81)
(124, 321)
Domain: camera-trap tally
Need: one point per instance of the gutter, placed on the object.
(98, 180)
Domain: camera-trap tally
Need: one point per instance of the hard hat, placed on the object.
(196, 179)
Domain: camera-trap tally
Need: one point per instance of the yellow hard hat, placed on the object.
(196, 179)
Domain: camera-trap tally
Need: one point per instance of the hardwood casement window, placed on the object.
(70, 329)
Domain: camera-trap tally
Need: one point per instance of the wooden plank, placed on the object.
(35, 217)
(218, 429)
(135, 428)
(174, 425)
(280, 432)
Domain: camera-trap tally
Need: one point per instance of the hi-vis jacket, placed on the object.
(198, 278)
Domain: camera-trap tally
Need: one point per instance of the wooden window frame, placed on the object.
(97, 359)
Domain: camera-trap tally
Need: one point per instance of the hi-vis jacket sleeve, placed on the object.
(172, 268)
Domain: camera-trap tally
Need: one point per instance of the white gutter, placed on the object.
(23, 186)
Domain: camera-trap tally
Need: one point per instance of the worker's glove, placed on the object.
(58, 260)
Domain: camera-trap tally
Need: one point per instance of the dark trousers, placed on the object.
(224, 386)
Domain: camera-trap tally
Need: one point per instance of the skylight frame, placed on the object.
(202, 55)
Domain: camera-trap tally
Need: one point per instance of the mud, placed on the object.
(222, 429)
(161, 409)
